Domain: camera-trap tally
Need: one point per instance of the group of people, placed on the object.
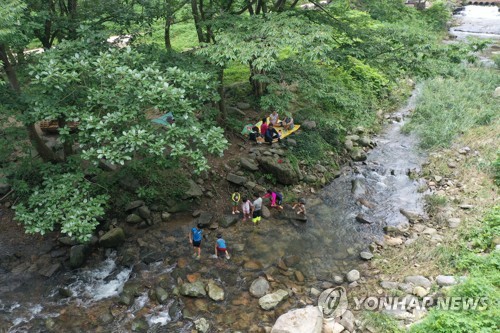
(267, 131)
(250, 209)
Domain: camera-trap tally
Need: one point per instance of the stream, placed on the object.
(327, 245)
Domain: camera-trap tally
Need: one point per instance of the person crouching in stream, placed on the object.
(220, 248)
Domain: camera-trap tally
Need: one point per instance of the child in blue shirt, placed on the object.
(220, 248)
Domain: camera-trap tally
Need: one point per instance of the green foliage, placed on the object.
(481, 282)
(64, 201)
(496, 169)
(450, 106)
(381, 322)
(310, 147)
(109, 94)
(160, 180)
(434, 202)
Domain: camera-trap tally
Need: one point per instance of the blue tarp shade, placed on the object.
(165, 120)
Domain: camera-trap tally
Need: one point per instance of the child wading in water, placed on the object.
(256, 208)
(235, 197)
(301, 206)
(220, 248)
(245, 207)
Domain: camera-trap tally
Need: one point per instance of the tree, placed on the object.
(259, 42)
(111, 95)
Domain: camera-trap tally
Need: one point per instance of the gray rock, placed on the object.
(235, 179)
(113, 238)
(77, 255)
(133, 205)
(320, 168)
(202, 325)
(365, 141)
(195, 289)
(48, 271)
(496, 93)
(363, 219)
(389, 285)
(429, 231)
(349, 145)
(366, 255)
(411, 216)
(406, 287)
(347, 320)
(228, 220)
(418, 280)
(161, 295)
(420, 291)
(249, 165)
(445, 280)
(337, 279)
(310, 179)
(265, 212)
(250, 185)
(270, 301)
(165, 216)
(291, 142)
(215, 292)
(358, 155)
(68, 241)
(353, 138)
(281, 169)
(305, 320)
(144, 212)
(259, 287)
(194, 190)
(353, 276)
(204, 219)
(133, 219)
(4, 188)
(243, 105)
(308, 124)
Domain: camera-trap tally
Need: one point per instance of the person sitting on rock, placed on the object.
(263, 127)
(301, 206)
(220, 248)
(276, 198)
(255, 135)
(287, 123)
(273, 118)
(271, 134)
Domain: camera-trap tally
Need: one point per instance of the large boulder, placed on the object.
(113, 238)
(215, 292)
(270, 301)
(235, 179)
(309, 124)
(281, 168)
(195, 289)
(77, 255)
(445, 280)
(133, 205)
(418, 280)
(259, 287)
(194, 190)
(228, 220)
(204, 219)
(306, 320)
(248, 164)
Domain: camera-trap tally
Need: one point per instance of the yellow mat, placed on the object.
(281, 131)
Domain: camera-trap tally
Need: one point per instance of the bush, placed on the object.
(448, 107)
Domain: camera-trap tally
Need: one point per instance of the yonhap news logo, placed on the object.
(333, 303)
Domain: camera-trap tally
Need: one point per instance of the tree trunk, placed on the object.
(220, 90)
(9, 70)
(72, 14)
(168, 23)
(197, 20)
(45, 152)
(67, 145)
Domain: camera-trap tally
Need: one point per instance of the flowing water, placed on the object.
(328, 244)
